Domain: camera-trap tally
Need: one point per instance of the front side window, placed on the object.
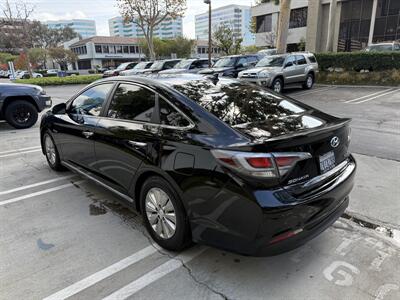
(132, 102)
(291, 59)
(301, 60)
(170, 116)
(91, 101)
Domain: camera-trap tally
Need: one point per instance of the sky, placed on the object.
(102, 10)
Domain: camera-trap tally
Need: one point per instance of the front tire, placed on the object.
(309, 83)
(21, 114)
(51, 153)
(164, 215)
(277, 85)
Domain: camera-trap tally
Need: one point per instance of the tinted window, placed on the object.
(132, 102)
(91, 101)
(312, 59)
(170, 116)
(301, 60)
(291, 59)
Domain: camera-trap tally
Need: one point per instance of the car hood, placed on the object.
(215, 70)
(263, 69)
(173, 71)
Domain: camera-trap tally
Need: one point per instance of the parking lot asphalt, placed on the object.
(64, 237)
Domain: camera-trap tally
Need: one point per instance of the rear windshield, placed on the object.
(238, 103)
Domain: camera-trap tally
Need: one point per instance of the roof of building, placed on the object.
(115, 40)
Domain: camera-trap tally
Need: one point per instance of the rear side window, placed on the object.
(301, 60)
(132, 102)
(91, 101)
(170, 64)
(170, 116)
(312, 59)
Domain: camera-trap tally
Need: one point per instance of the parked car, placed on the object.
(5, 74)
(21, 103)
(25, 75)
(160, 65)
(230, 66)
(278, 71)
(144, 65)
(120, 68)
(383, 47)
(187, 66)
(267, 52)
(52, 72)
(220, 162)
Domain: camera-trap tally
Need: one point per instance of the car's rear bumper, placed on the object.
(279, 222)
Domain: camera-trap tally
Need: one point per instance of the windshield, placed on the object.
(225, 62)
(184, 64)
(387, 47)
(157, 65)
(272, 61)
(141, 66)
(122, 66)
(240, 103)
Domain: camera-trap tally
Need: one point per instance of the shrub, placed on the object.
(356, 61)
(389, 77)
(81, 79)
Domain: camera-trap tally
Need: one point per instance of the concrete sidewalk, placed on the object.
(376, 194)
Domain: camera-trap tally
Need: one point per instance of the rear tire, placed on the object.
(309, 83)
(21, 114)
(277, 85)
(51, 153)
(164, 215)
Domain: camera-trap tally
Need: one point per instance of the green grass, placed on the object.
(80, 79)
(389, 78)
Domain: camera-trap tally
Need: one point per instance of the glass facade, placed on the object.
(298, 17)
(355, 21)
(387, 22)
(264, 23)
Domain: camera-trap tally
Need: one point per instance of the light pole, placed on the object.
(209, 31)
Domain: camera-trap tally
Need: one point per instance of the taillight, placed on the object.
(270, 165)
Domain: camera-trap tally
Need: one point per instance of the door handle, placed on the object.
(137, 144)
(87, 134)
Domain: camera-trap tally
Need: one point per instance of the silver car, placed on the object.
(187, 66)
(278, 71)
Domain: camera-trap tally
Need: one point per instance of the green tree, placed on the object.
(6, 57)
(148, 14)
(225, 38)
(37, 56)
(62, 56)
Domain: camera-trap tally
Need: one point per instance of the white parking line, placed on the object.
(366, 96)
(19, 150)
(19, 153)
(155, 274)
(314, 91)
(102, 274)
(60, 187)
(369, 99)
(34, 185)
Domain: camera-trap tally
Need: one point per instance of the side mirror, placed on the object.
(59, 109)
(288, 64)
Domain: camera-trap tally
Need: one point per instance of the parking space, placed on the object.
(64, 237)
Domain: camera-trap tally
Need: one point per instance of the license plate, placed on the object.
(327, 162)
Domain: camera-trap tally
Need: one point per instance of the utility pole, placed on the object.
(209, 32)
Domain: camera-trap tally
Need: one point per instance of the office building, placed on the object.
(105, 51)
(237, 17)
(85, 28)
(168, 29)
(331, 25)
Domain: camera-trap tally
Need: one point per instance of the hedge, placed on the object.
(356, 61)
(381, 78)
(81, 79)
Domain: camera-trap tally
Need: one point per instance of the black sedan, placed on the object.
(215, 161)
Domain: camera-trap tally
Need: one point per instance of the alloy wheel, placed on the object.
(310, 81)
(277, 87)
(50, 149)
(160, 213)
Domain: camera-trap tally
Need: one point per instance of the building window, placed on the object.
(105, 49)
(125, 49)
(298, 17)
(264, 23)
(387, 22)
(98, 48)
(112, 49)
(132, 49)
(118, 49)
